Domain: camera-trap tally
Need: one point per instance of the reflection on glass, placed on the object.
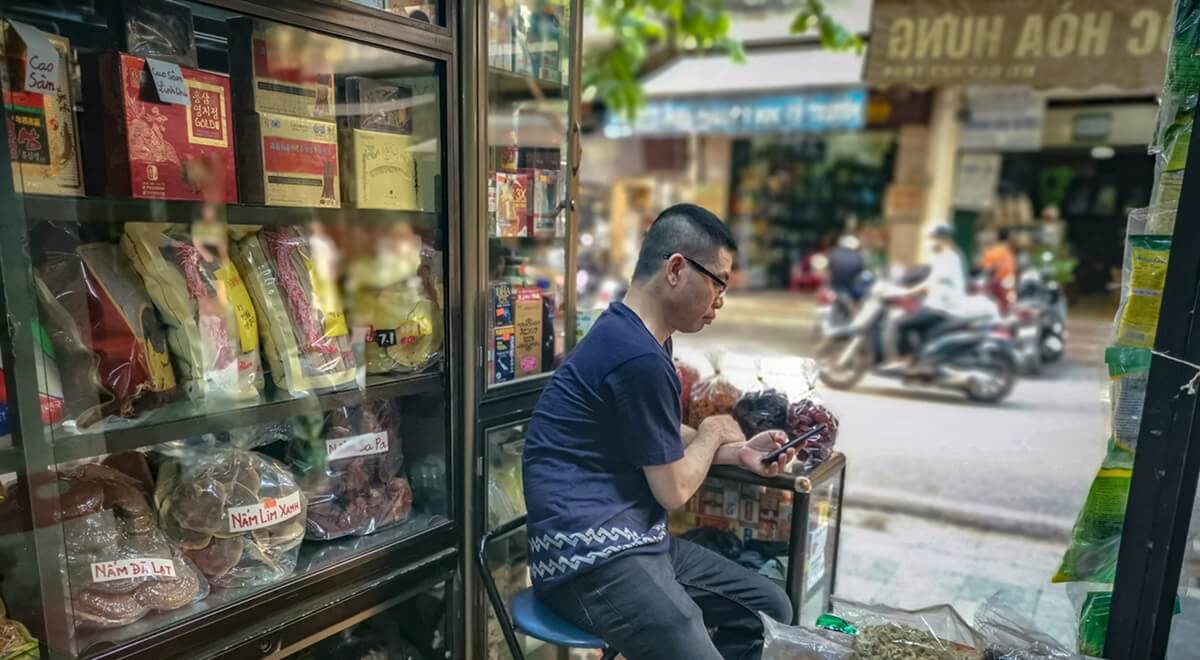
(415, 9)
(236, 247)
(411, 630)
(528, 46)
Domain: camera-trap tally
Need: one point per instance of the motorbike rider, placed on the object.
(941, 291)
(999, 262)
(846, 266)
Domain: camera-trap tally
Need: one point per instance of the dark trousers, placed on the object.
(915, 328)
(662, 606)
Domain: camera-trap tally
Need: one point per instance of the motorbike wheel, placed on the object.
(839, 373)
(1051, 346)
(1000, 385)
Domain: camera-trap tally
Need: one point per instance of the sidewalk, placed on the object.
(910, 562)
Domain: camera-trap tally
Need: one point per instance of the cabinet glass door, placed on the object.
(224, 241)
(529, 47)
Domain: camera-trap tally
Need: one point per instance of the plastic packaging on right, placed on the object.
(931, 632)
(784, 642)
(1010, 636)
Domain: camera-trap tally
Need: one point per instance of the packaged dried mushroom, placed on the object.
(237, 514)
(119, 566)
(212, 328)
(350, 464)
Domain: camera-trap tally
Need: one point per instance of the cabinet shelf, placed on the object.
(181, 419)
(39, 208)
(508, 85)
(548, 241)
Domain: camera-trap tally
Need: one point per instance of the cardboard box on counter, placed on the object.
(143, 147)
(379, 170)
(43, 143)
(288, 161)
(280, 69)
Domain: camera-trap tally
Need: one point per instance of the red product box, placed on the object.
(143, 148)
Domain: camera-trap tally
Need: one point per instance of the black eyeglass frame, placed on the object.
(721, 284)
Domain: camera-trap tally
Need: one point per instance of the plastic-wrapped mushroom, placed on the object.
(105, 610)
(218, 558)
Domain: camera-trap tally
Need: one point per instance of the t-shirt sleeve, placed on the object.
(645, 397)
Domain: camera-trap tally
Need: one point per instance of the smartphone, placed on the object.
(794, 442)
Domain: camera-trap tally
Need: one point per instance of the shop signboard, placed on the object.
(1042, 43)
(976, 181)
(1003, 119)
(809, 112)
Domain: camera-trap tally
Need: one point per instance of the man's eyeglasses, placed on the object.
(721, 284)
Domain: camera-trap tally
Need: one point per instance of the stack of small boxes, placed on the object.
(283, 93)
(752, 513)
(162, 129)
(525, 195)
(377, 142)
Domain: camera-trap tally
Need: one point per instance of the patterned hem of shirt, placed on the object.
(571, 562)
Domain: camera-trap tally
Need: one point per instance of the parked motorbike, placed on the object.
(973, 353)
(1044, 302)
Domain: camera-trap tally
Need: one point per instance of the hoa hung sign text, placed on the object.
(1042, 43)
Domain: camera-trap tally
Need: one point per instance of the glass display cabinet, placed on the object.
(230, 273)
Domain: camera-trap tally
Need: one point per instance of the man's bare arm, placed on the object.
(675, 483)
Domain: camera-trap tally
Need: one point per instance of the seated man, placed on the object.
(606, 456)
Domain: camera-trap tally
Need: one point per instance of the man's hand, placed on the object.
(751, 454)
(724, 428)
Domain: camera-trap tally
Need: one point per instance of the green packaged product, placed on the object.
(1137, 321)
(1096, 536)
(1093, 623)
(1128, 374)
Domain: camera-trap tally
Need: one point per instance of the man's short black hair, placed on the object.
(687, 229)
(1003, 235)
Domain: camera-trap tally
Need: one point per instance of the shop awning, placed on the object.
(772, 71)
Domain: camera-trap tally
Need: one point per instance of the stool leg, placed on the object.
(564, 653)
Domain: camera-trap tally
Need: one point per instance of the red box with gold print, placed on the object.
(142, 148)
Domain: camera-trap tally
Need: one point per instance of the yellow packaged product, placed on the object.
(1137, 320)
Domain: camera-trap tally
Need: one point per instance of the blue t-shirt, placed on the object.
(610, 409)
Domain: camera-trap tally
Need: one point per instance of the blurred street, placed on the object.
(948, 489)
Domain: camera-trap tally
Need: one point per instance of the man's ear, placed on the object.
(672, 268)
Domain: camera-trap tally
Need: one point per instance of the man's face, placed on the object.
(694, 296)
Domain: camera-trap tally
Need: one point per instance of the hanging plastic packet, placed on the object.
(119, 566)
(1137, 319)
(301, 320)
(714, 395)
(688, 376)
(1128, 374)
(761, 409)
(239, 515)
(1169, 165)
(395, 295)
(1096, 536)
(350, 465)
(212, 328)
(110, 344)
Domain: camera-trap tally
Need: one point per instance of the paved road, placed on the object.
(1033, 455)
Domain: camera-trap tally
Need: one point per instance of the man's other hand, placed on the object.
(724, 428)
(751, 454)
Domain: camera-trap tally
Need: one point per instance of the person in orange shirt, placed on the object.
(999, 261)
